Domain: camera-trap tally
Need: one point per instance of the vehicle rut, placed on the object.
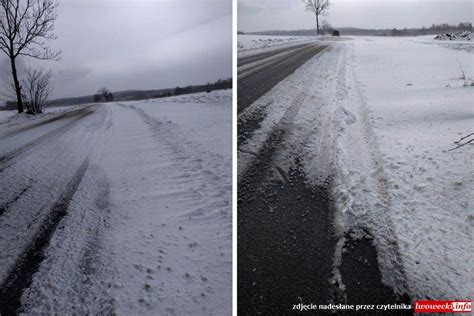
(242, 61)
(7, 159)
(21, 275)
(44, 122)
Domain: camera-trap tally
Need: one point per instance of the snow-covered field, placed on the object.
(251, 44)
(149, 228)
(381, 114)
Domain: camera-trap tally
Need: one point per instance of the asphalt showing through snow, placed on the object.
(286, 241)
(272, 68)
(260, 82)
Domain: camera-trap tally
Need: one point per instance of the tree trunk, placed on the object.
(19, 101)
(317, 24)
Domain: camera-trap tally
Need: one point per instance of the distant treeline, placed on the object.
(218, 85)
(434, 29)
(431, 30)
(134, 95)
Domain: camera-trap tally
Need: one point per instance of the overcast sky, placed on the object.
(140, 44)
(260, 15)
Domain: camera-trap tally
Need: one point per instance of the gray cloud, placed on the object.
(140, 44)
(257, 15)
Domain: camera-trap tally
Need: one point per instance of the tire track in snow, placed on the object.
(7, 205)
(21, 275)
(17, 190)
(242, 61)
(55, 117)
(284, 231)
(75, 276)
(361, 257)
(7, 159)
(48, 169)
(383, 192)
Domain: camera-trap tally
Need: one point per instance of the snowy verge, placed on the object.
(415, 193)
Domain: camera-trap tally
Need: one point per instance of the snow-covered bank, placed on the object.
(148, 230)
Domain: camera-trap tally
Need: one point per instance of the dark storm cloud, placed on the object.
(140, 44)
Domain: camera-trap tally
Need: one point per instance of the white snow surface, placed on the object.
(149, 229)
(380, 114)
(6, 115)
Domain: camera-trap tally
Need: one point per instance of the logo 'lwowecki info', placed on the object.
(443, 306)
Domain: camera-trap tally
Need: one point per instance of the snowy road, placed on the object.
(286, 236)
(325, 201)
(119, 208)
(257, 74)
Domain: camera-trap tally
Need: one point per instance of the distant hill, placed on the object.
(432, 30)
(343, 30)
(130, 95)
(133, 95)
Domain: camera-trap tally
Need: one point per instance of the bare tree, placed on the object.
(326, 27)
(25, 25)
(318, 7)
(108, 96)
(36, 89)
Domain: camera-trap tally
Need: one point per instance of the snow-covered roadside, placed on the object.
(149, 230)
(410, 106)
(5, 116)
(253, 44)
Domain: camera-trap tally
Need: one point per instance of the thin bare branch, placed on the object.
(463, 138)
(461, 145)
